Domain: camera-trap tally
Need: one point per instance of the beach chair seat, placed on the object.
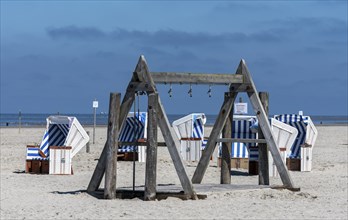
(134, 129)
(190, 131)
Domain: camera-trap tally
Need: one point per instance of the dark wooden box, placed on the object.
(293, 164)
(253, 168)
(45, 166)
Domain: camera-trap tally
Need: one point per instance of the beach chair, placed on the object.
(300, 156)
(134, 129)
(285, 135)
(245, 155)
(64, 137)
(190, 132)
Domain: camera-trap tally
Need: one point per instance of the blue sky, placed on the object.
(58, 56)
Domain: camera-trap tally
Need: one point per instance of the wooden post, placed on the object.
(87, 145)
(99, 170)
(226, 149)
(263, 148)
(172, 144)
(112, 147)
(215, 132)
(151, 148)
(265, 126)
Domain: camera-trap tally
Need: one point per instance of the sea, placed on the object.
(38, 120)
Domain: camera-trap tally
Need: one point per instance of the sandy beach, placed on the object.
(323, 194)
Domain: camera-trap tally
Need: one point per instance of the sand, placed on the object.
(323, 192)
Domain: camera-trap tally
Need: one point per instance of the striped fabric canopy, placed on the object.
(132, 130)
(198, 130)
(54, 136)
(242, 129)
(300, 123)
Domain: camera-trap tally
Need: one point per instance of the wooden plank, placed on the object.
(225, 176)
(263, 149)
(172, 145)
(265, 126)
(144, 75)
(151, 149)
(159, 144)
(211, 144)
(242, 140)
(195, 78)
(112, 146)
(98, 173)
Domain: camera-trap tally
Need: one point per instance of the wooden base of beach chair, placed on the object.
(293, 164)
(127, 156)
(37, 166)
(237, 163)
(253, 168)
(45, 167)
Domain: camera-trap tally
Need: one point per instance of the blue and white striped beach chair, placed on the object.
(190, 131)
(305, 140)
(241, 128)
(60, 131)
(55, 135)
(300, 123)
(134, 129)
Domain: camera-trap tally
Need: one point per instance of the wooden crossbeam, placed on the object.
(196, 78)
(242, 140)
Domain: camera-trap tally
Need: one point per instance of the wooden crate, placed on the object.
(293, 164)
(36, 166)
(45, 166)
(237, 163)
(253, 168)
(127, 156)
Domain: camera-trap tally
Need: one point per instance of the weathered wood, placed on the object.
(265, 126)
(195, 78)
(98, 173)
(151, 149)
(142, 74)
(211, 144)
(136, 143)
(172, 145)
(242, 140)
(112, 146)
(263, 149)
(127, 102)
(225, 176)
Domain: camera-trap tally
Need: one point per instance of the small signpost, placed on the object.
(95, 106)
(241, 108)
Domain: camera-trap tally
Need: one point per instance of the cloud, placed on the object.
(164, 37)
(73, 32)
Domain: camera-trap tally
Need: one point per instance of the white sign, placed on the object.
(241, 108)
(95, 104)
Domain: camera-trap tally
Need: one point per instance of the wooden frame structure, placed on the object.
(144, 81)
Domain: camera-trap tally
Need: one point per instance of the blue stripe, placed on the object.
(132, 130)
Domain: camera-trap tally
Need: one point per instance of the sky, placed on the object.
(60, 56)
